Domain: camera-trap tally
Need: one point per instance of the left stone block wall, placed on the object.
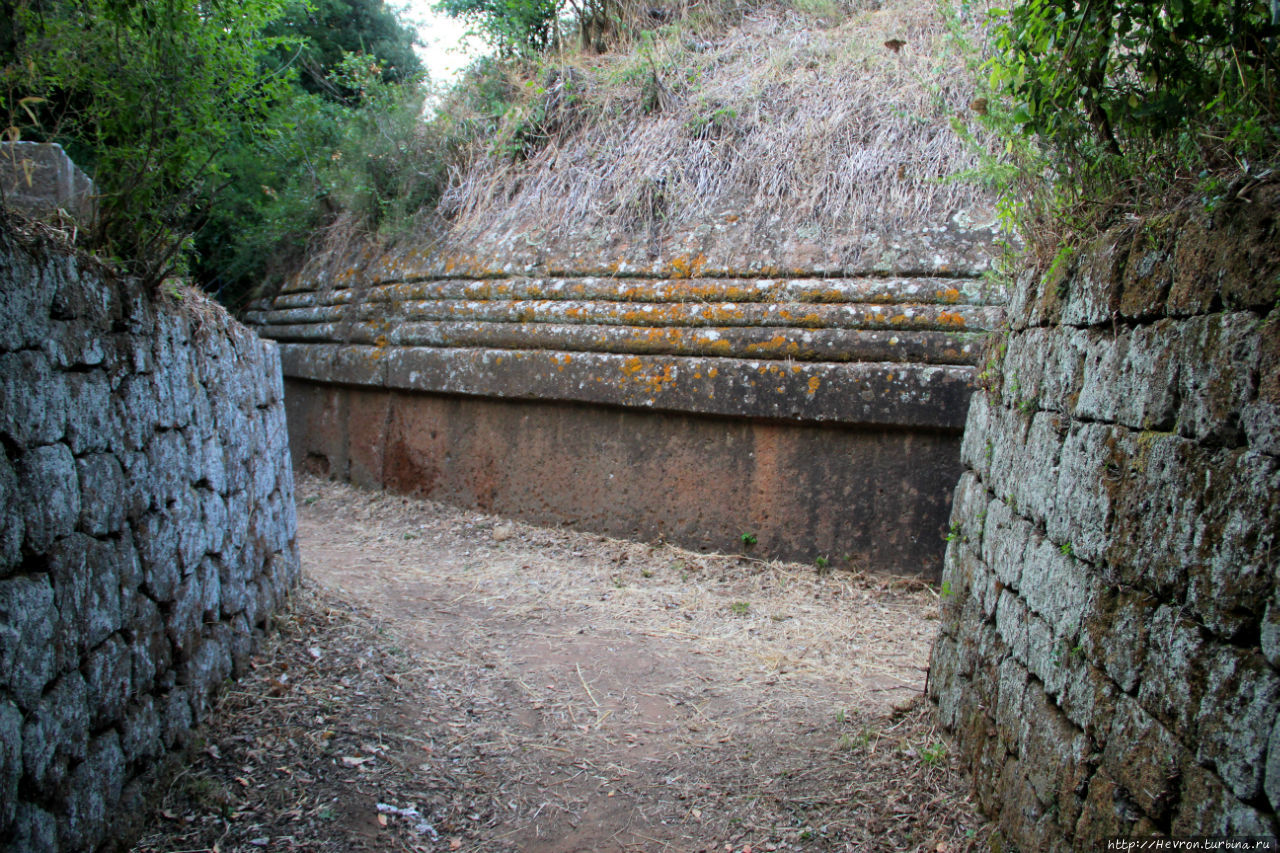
(147, 528)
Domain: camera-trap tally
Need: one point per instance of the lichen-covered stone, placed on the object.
(1130, 378)
(1093, 457)
(1217, 357)
(1241, 700)
(1138, 591)
(1093, 290)
(1145, 759)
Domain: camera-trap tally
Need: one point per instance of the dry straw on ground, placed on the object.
(501, 687)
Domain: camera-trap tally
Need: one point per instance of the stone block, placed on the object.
(108, 675)
(12, 524)
(213, 467)
(208, 668)
(128, 567)
(1047, 657)
(72, 345)
(1131, 377)
(241, 644)
(1108, 812)
(1260, 418)
(51, 494)
(1145, 759)
(156, 536)
(1087, 697)
(1236, 529)
(102, 485)
(1229, 255)
(1240, 702)
(1054, 754)
(210, 584)
(1148, 274)
(213, 520)
(1093, 292)
(33, 399)
(138, 495)
(149, 650)
(94, 790)
(25, 297)
(1271, 783)
(1093, 459)
(34, 829)
(1174, 679)
(1157, 481)
(1006, 438)
(86, 592)
(945, 683)
(1218, 356)
(183, 621)
(28, 626)
(1055, 585)
(140, 730)
(1009, 705)
(1012, 625)
(1034, 483)
(974, 445)
(1039, 300)
(57, 732)
(1114, 623)
(10, 762)
(89, 411)
(175, 717)
(1207, 808)
(167, 461)
(135, 412)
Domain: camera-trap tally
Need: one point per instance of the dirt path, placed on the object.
(545, 690)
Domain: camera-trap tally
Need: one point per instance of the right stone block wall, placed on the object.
(1110, 637)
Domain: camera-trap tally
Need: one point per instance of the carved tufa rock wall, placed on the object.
(679, 402)
(1111, 614)
(146, 529)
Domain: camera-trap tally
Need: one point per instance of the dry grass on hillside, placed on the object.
(815, 123)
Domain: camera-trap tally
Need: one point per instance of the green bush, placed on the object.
(146, 96)
(1125, 101)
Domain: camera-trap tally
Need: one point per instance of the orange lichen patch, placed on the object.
(713, 373)
(814, 382)
(632, 366)
(951, 318)
(687, 267)
(951, 294)
(899, 319)
(795, 368)
(732, 217)
(381, 341)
